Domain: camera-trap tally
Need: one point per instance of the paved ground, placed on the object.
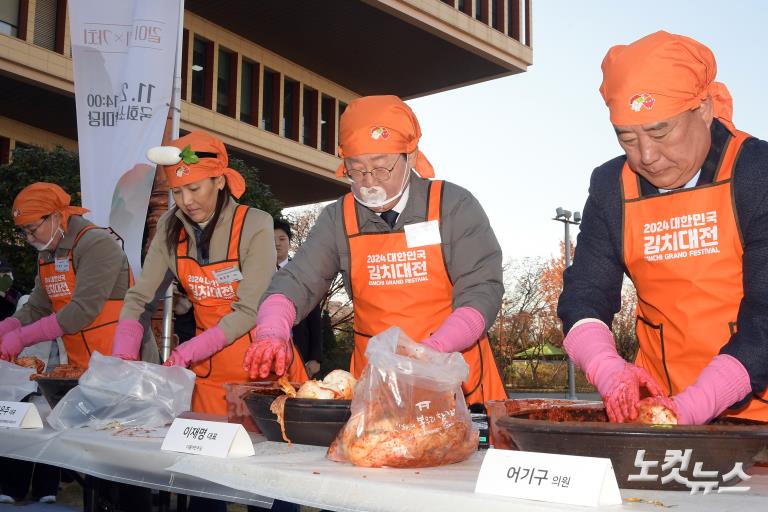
(554, 394)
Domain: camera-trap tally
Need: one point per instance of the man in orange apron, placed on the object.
(414, 253)
(83, 275)
(222, 253)
(683, 215)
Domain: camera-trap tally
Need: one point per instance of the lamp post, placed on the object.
(564, 216)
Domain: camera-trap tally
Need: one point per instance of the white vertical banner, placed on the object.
(123, 54)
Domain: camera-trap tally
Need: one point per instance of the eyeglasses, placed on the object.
(26, 233)
(378, 173)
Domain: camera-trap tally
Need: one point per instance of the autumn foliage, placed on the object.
(528, 316)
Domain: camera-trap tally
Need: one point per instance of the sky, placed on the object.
(526, 144)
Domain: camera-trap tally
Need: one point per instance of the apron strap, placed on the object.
(351, 226)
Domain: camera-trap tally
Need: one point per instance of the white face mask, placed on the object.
(376, 196)
(44, 246)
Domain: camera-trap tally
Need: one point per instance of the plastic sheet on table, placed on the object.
(117, 393)
(14, 382)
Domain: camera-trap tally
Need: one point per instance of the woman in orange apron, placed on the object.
(221, 253)
(83, 275)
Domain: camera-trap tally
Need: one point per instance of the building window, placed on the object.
(270, 104)
(249, 92)
(497, 12)
(328, 124)
(184, 65)
(342, 108)
(202, 72)
(309, 117)
(290, 108)
(9, 18)
(226, 89)
(45, 24)
(513, 19)
(5, 150)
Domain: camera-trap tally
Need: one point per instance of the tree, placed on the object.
(302, 223)
(528, 316)
(336, 301)
(552, 286)
(28, 165)
(257, 193)
(524, 317)
(338, 335)
(31, 164)
(337, 348)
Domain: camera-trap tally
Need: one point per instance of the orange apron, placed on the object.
(683, 251)
(212, 288)
(394, 285)
(59, 280)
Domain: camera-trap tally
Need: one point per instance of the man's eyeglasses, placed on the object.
(378, 173)
(26, 233)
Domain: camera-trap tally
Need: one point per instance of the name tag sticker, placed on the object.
(213, 438)
(19, 415)
(61, 264)
(228, 275)
(568, 479)
(423, 233)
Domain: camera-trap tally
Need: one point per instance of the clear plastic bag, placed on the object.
(14, 382)
(408, 409)
(117, 393)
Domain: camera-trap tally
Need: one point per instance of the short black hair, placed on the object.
(285, 226)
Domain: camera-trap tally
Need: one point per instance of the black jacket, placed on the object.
(308, 338)
(592, 285)
(308, 335)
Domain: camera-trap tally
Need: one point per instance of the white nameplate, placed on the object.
(548, 477)
(61, 264)
(423, 233)
(228, 275)
(19, 415)
(212, 438)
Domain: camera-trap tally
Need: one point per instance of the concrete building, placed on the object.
(271, 77)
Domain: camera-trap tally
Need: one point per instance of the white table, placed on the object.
(130, 457)
(302, 474)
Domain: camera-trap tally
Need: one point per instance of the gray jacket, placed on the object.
(470, 249)
(257, 264)
(102, 274)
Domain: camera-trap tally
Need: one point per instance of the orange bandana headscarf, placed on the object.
(381, 124)
(210, 165)
(660, 76)
(41, 199)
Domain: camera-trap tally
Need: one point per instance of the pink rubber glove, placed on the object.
(9, 324)
(592, 347)
(722, 383)
(45, 329)
(199, 348)
(127, 341)
(271, 346)
(460, 330)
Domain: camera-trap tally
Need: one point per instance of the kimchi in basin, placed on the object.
(306, 420)
(57, 382)
(582, 428)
